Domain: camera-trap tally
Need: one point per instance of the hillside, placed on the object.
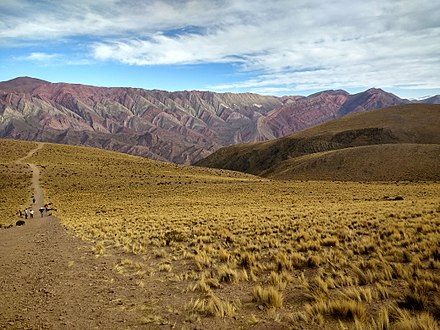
(179, 127)
(386, 162)
(80, 170)
(165, 245)
(321, 152)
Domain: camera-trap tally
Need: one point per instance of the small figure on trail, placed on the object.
(46, 207)
(41, 209)
(33, 200)
(20, 212)
(25, 213)
(31, 213)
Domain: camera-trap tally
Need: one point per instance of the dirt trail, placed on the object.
(38, 192)
(52, 280)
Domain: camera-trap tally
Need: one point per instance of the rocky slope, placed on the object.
(180, 127)
(395, 143)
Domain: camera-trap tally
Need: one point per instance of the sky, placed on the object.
(277, 47)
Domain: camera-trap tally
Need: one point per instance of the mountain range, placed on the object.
(395, 143)
(180, 127)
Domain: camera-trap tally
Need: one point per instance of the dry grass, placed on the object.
(15, 180)
(226, 243)
(269, 297)
(12, 150)
(347, 310)
(213, 306)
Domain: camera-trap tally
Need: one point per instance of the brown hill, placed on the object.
(395, 143)
(21, 85)
(180, 127)
(386, 162)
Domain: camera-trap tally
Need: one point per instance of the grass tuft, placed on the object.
(213, 306)
(268, 297)
(347, 310)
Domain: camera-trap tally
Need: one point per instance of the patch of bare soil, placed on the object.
(50, 280)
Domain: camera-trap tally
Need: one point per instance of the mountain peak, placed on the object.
(22, 84)
(375, 90)
(331, 92)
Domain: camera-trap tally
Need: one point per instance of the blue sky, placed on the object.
(278, 47)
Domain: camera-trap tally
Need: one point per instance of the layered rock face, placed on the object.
(180, 127)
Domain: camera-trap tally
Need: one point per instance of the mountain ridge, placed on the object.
(180, 127)
(309, 154)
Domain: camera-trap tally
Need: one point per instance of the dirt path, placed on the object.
(52, 280)
(38, 191)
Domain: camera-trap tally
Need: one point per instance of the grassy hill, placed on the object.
(386, 162)
(318, 152)
(79, 172)
(211, 248)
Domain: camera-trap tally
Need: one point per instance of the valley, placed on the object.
(211, 248)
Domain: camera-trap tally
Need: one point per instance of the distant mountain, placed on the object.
(369, 100)
(180, 127)
(395, 143)
(431, 100)
(21, 85)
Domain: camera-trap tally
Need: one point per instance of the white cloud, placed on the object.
(39, 57)
(46, 59)
(287, 44)
(36, 20)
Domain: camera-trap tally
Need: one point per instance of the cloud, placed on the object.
(42, 59)
(284, 44)
(54, 59)
(39, 57)
(305, 46)
(40, 20)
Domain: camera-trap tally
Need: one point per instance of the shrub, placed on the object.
(330, 241)
(316, 289)
(297, 260)
(277, 280)
(382, 321)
